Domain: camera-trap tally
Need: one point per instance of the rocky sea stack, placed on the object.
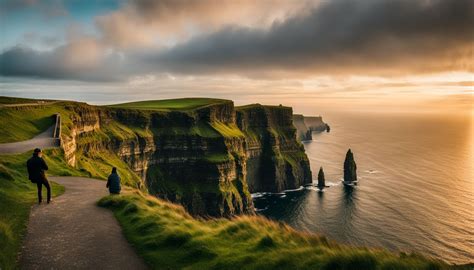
(350, 168)
(321, 179)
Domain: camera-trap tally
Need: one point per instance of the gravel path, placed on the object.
(42, 140)
(74, 233)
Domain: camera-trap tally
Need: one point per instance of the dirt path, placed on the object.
(42, 140)
(74, 233)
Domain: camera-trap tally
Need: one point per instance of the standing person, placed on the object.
(36, 167)
(113, 182)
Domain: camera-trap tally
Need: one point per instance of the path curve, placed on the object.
(43, 140)
(74, 233)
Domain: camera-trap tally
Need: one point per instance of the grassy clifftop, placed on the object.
(169, 238)
(170, 104)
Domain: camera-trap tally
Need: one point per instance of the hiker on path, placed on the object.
(36, 167)
(113, 182)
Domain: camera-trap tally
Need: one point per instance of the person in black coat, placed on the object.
(113, 182)
(36, 167)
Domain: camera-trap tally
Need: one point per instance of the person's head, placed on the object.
(37, 152)
(114, 170)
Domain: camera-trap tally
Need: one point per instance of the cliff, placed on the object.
(315, 123)
(302, 131)
(276, 160)
(207, 157)
(305, 125)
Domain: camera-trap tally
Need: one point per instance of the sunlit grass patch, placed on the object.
(168, 237)
(171, 104)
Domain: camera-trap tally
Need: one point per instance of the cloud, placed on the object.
(152, 22)
(82, 58)
(340, 36)
(332, 37)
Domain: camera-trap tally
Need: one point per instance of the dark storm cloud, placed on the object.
(369, 36)
(79, 60)
(339, 36)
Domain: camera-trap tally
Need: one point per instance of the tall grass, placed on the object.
(169, 238)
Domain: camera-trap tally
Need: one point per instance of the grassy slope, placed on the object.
(170, 104)
(23, 124)
(169, 238)
(17, 194)
(15, 100)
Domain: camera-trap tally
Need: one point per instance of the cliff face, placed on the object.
(303, 133)
(209, 159)
(276, 160)
(315, 123)
(200, 161)
(305, 125)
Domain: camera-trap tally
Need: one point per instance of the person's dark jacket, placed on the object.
(36, 167)
(113, 183)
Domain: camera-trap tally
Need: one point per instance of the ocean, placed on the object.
(415, 190)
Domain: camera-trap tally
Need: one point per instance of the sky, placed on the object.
(314, 55)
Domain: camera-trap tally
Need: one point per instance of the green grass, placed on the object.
(218, 157)
(24, 123)
(16, 100)
(227, 130)
(171, 104)
(257, 105)
(99, 164)
(17, 194)
(167, 237)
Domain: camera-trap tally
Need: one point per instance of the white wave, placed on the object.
(258, 195)
(372, 171)
(292, 190)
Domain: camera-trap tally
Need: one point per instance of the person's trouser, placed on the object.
(40, 187)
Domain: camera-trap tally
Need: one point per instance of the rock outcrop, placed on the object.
(321, 179)
(305, 125)
(276, 160)
(350, 168)
(209, 159)
(303, 133)
(315, 123)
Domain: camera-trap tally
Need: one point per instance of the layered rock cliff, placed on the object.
(276, 160)
(303, 133)
(315, 123)
(209, 159)
(305, 125)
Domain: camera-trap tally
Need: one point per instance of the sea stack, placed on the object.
(350, 168)
(321, 180)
